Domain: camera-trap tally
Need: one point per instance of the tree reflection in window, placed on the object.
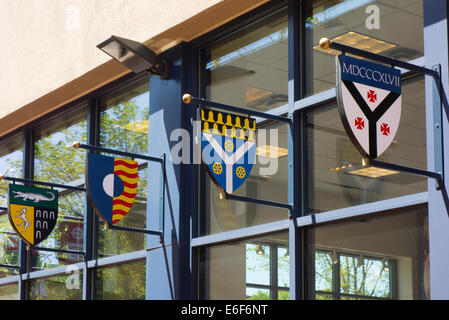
(10, 165)
(351, 276)
(124, 126)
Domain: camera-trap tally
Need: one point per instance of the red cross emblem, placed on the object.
(372, 96)
(359, 123)
(385, 129)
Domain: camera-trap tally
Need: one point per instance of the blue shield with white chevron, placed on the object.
(228, 147)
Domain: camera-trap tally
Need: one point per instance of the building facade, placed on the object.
(343, 234)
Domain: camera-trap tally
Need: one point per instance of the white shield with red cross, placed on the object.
(369, 102)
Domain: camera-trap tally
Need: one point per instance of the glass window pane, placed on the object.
(393, 29)
(365, 277)
(124, 126)
(381, 257)
(9, 292)
(245, 269)
(283, 267)
(10, 165)
(333, 163)
(54, 158)
(57, 162)
(250, 68)
(323, 272)
(124, 119)
(257, 264)
(122, 282)
(63, 287)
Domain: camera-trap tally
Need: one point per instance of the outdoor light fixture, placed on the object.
(259, 250)
(135, 56)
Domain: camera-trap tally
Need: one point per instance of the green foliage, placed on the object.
(122, 282)
(260, 295)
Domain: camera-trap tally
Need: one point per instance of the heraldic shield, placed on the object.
(32, 212)
(228, 148)
(111, 186)
(369, 102)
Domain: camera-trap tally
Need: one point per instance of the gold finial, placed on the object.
(76, 145)
(325, 43)
(237, 122)
(211, 117)
(229, 121)
(246, 126)
(206, 127)
(186, 98)
(220, 118)
(202, 115)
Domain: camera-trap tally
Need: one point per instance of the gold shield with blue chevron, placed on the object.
(228, 147)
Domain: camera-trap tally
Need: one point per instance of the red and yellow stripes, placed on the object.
(126, 170)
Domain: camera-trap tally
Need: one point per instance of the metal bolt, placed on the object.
(437, 126)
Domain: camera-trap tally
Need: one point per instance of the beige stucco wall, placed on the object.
(49, 55)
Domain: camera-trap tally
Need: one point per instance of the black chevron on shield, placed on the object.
(372, 116)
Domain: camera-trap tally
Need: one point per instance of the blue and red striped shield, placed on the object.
(111, 185)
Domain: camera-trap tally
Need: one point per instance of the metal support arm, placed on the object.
(260, 201)
(325, 43)
(187, 99)
(391, 166)
(42, 183)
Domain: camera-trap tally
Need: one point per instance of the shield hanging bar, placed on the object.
(83, 253)
(391, 166)
(42, 183)
(137, 230)
(325, 44)
(2, 265)
(161, 160)
(77, 145)
(260, 201)
(188, 99)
